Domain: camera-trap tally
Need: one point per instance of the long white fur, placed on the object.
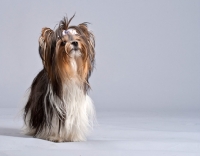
(78, 106)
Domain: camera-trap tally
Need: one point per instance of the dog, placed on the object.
(58, 108)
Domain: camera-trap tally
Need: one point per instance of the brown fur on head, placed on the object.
(68, 52)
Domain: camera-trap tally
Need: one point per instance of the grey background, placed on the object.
(147, 52)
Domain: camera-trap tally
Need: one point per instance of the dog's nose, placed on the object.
(74, 43)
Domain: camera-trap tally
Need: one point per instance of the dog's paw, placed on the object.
(55, 139)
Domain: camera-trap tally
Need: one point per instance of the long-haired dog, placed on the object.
(58, 108)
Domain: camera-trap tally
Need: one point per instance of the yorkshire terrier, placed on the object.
(58, 107)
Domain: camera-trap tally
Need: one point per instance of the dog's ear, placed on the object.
(89, 35)
(45, 41)
(91, 42)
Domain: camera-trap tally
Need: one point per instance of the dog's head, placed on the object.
(68, 51)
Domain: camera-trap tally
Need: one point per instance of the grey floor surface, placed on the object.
(117, 134)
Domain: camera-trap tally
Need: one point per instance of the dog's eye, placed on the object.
(63, 43)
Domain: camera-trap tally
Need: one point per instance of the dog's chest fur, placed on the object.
(78, 107)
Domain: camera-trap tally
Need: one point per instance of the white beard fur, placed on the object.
(80, 114)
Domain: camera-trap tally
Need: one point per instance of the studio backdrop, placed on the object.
(147, 52)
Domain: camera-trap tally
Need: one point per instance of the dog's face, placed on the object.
(68, 51)
(73, 44)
